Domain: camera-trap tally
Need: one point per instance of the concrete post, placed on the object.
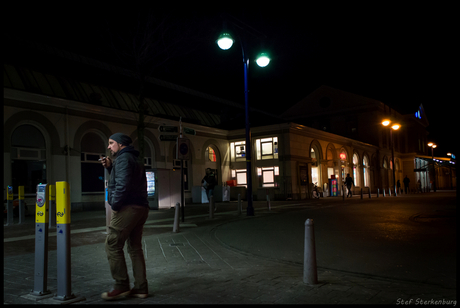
(268, 203)
(369, 192)
(176, 218)
(22, 206)
(239, 205)
(378, 192)
(310, 273)
(9, 206)
(211, 207)
(361, 192)
(384, 192)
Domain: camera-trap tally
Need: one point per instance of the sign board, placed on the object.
(189, 131)
(183, 148)
(168, 137)
(168, 129)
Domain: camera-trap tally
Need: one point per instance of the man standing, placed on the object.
(348, 183)
(406, 183)
(127, 195)
(210, 180)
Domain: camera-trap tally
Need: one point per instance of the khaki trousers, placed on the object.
(127, 225)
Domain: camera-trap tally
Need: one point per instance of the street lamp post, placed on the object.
(432, 146)
(393, 127)
(452, 157)
(225, 42)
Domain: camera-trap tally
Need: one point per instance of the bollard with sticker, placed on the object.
(9, 205)
(41, 242)
(63, 241)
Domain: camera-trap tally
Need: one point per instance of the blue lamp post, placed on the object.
(225, 42)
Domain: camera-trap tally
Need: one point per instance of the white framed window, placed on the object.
(240, 176)
(238, 150)
(268, 175)
(267, 148)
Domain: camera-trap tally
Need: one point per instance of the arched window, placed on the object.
(366, 171)
(355, 169)
(92, 172)
(211, 154)
(211, 160)
(149, 160)
(315, 167)
(28, 158)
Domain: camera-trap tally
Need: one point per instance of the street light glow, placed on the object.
(225, 41)
(263, 60)
(386, 122)
(396, 126)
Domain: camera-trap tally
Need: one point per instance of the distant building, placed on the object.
(57, 120)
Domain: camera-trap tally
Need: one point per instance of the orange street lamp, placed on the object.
(432, 146)
(395, 126)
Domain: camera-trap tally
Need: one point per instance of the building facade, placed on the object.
(56, 128)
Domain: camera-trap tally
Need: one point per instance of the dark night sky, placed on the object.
(402, 56)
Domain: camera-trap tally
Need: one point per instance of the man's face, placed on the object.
(114, 147)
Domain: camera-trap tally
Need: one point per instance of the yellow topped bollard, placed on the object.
(41, 205)
(62, 203)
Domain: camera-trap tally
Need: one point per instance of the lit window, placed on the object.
(267, 148)
(238, 151)
(241, 177)
(268, 175)
(211, 155)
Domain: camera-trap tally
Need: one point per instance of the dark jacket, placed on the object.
(127, 183)
(210, 180)
(348, 181)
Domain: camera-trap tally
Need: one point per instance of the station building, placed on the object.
(57, 121)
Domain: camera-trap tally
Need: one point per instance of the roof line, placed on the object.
(129, 73)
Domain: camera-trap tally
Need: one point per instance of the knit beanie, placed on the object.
(121, 138)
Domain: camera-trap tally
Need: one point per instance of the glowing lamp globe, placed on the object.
(225, 41)
(263, 60)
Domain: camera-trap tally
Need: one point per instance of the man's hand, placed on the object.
(106, 162)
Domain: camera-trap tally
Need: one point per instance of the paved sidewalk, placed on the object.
(194, 267)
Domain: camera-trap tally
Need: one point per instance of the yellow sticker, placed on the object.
(62, 203)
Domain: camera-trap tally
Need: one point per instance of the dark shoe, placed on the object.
(114, 295)
(138, 294)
